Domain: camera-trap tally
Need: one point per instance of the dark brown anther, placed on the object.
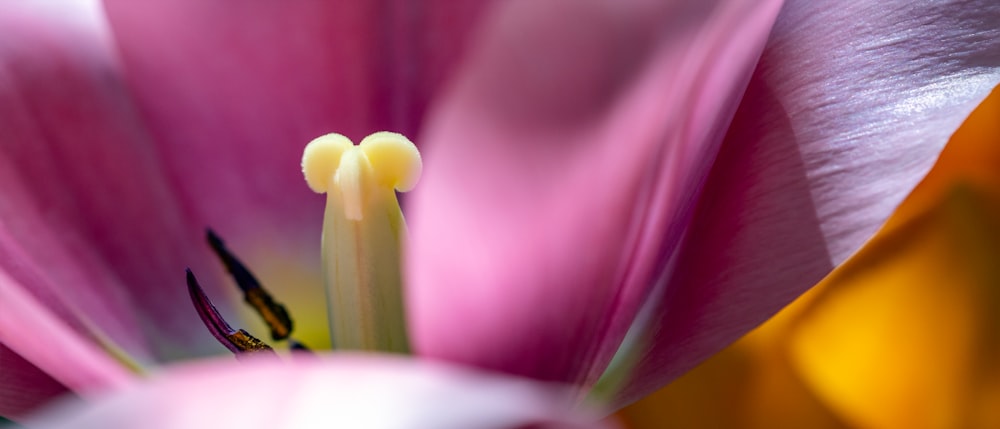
(273, 313)
(237, 341)
(248, 343)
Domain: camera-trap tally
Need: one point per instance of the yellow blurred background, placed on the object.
(904, 335)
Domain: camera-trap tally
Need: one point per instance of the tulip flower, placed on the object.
(902, 335)
(646, 180)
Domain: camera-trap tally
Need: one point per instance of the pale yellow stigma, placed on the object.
(382, 159)
(363, 230)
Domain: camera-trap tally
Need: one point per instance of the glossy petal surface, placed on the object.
(901, 335)
(846, 112)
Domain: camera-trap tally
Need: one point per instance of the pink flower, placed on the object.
(590, 167)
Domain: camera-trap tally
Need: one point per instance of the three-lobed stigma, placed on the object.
(359, 174)
(363, 231)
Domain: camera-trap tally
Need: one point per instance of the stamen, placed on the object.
(274, 314)
(237, 341)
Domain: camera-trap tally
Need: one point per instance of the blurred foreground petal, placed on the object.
(345, 391)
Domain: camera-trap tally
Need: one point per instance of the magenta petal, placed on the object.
(559, 172)
(847, 110)
(23, 387)
(38, 336)
(234, 90)
(85, 207)
(338, 392)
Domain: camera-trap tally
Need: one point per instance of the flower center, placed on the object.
(363, 233)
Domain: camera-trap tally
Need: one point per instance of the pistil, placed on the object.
(363, 231)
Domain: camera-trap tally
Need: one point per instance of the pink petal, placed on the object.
(847, 110)
(39, 337)
(85, 208)
(234, 90)
(23, 387)
(560, 171)
(336, 391)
